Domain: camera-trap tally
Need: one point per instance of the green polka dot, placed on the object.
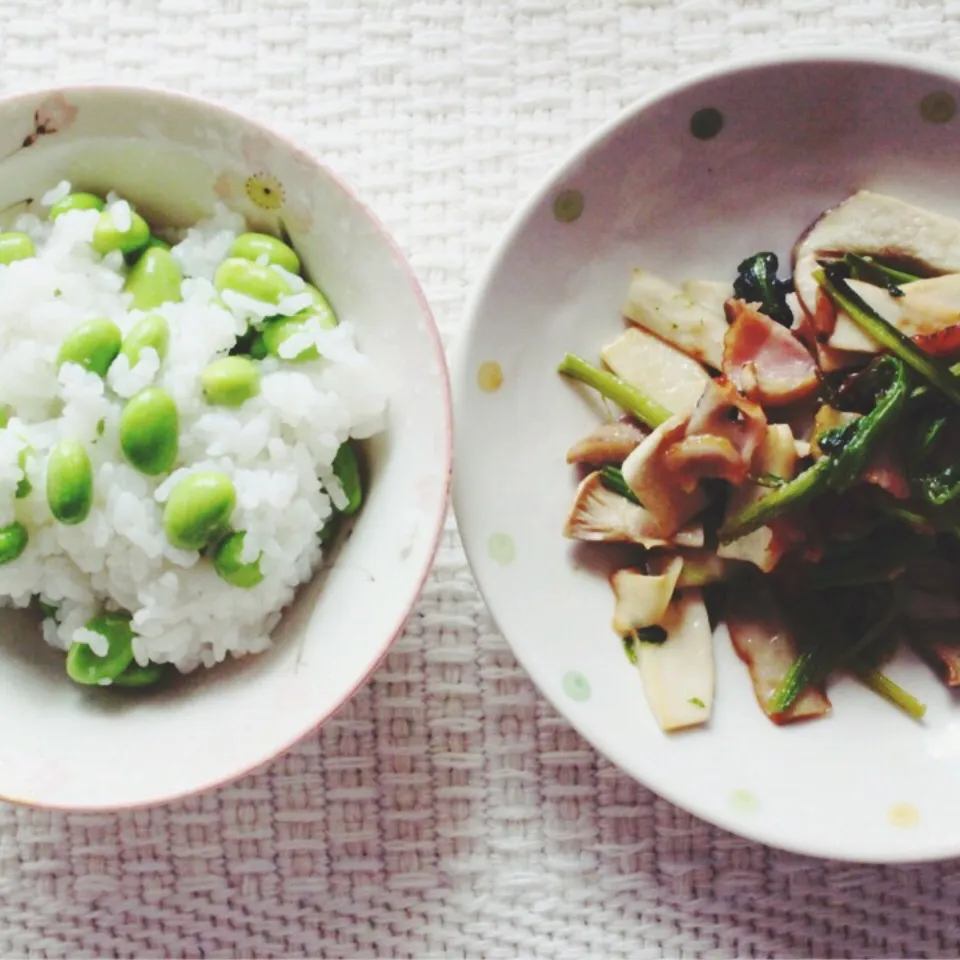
(568, 206)
(938, 107)
(501, 548)
(576, 686)
(744, 801)
(705, 124)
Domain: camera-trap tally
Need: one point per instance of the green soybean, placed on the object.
(24, 486)
(48, 611)
(230, 381)
(229, 566)
(154, 279)
(278, 331)
(250, 279)
(5, 412)
(320, 308)
(152, 331)
(15, 246)
(329, 529)
(93, 345)
(76, 201)
(137, 676)
(150, 431)
(84, 666)
(107, 237)
(157, 243)
(69, 482)
(346, 467)
(252, 246)
(198, 509)
(13, 541)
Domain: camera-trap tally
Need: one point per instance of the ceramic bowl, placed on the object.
(687, 183)
(75, 748)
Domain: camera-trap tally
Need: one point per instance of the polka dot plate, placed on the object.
(686, 184)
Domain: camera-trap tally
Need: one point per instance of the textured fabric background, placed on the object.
(446, 811)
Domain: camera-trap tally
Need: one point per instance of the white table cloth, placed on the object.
(446, 811)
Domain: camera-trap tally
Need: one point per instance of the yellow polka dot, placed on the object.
(568, 206)
(938, 107)
(490, 376)
(903, 815)
(265, 191)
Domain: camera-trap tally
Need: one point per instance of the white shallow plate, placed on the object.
(797, 135)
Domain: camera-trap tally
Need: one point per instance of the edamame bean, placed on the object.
(150, 431)
(24, 486)
(93, 345)
(137, 676)
(278, 331)
(320, 308)
(329, 529)
(47, 610)
(5, 412)
(229, 566)
(76, 201)
(69, 482)
(84, 666)
(198, 509)
(156, 242)
(347, 470)
(151, 331)
(252, 246)
(250, 279)
(107, 237)
(13, 541)
(15, 246)
(154, 279)
(230, 381)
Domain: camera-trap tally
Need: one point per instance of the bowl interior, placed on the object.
(671, 189)
(174, 157)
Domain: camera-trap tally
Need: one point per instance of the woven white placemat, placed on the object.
(447, 810)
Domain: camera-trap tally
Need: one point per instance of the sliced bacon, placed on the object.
(886, 471)
(937, 643)
(943, 343)
(764, 359)
(763, 641)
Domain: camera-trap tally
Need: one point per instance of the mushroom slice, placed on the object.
(678, 674)
(776, 456)
(700, 567)
(610, 443)
(876, 225)
(710, 294)
(763, 641)
(938, 642)
(601, 515)
(647, 473)
(723, 412)
(766, 362)
(671, 314)
(642, 599)
(661, 371)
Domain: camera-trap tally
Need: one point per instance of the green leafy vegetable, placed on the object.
(757, 282)
(833, 279)
(879, 274)
(697, 702)
(629, 648)
(852, 448)
(624, 394)
(613, 480)
(891, 691)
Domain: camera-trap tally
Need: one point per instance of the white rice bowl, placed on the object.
(277, 448)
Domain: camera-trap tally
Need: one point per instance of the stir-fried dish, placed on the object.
(787, 462)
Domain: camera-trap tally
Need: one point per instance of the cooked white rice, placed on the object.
(277, 448)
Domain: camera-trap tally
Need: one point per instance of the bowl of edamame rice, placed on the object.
(224, 445)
